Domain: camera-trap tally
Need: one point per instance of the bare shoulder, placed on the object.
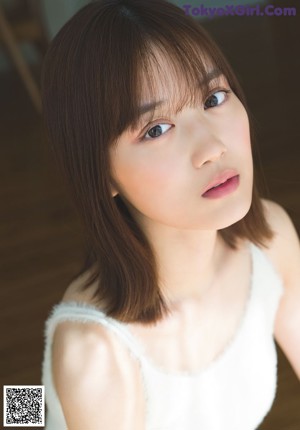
(276, 214)
(284, 248)
(97, 382)
(75, 292)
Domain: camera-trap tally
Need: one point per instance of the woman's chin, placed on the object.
(235, 214)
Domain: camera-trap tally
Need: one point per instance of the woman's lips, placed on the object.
(222, 190)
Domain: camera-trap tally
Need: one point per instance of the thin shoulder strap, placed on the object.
(83, 312)
(268, 282)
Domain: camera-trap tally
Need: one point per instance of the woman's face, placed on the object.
(162, 169)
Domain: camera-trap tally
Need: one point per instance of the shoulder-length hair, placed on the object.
(91, 88)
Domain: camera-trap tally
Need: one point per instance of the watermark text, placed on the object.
(239, 10)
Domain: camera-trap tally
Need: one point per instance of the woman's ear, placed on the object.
(114, 192)
(113, 187)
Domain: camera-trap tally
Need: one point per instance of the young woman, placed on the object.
(169, 325)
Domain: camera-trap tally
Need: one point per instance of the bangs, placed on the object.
(170, 64)
(170, 79)
(128, 60)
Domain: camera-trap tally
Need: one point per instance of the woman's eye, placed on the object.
(216, 99)
(156, 131)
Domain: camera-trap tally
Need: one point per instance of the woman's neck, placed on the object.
(188, 262)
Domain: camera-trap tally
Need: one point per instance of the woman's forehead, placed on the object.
(162, 78)
(166, 88)
(164, 82)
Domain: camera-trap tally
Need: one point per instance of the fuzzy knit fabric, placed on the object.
(235, 392)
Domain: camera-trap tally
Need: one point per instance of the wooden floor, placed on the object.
(42, 240)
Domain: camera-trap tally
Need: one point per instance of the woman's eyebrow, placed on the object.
(145, 108)
(210, 76)
(149, 107)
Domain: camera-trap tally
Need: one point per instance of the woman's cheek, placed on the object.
(241, 129)
(245, 128)
(143, 179)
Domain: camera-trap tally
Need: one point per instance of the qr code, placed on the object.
(24, 405)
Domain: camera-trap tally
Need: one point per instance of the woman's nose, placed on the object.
(206, 150)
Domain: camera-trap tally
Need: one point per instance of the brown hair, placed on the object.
(91, 89)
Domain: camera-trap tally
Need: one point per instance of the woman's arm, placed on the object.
(98, 387)
(286, 249)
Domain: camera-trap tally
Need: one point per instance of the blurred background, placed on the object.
(42, 242)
